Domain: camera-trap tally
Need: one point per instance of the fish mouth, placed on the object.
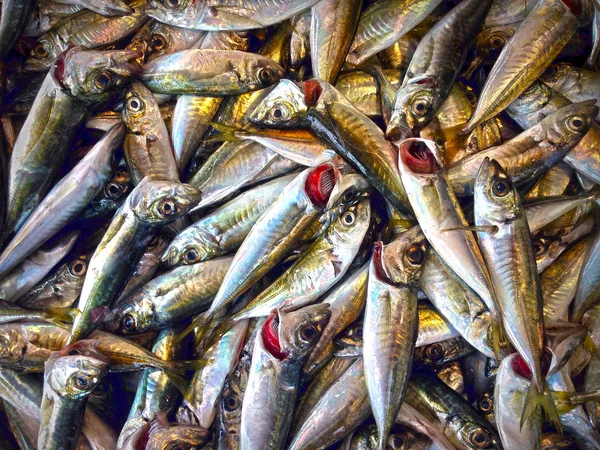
(319, 184)
(378, 267)
(418, 156)
(270, 336)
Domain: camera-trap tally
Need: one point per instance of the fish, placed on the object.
(116, 8)
(15, 17)
(163, 435)
(150, 205)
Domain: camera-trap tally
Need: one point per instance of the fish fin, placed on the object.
(478, 229)
(200, 322)
(563, 402)
(542, 399)
(177, 377)
(60, 316)
(226, 133)
(590, 346)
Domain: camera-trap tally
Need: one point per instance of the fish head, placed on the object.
(76, 370)
(189, 247)
(349, 342)
(401, 260)
(163, 436)
(77, 268)
(405, 438)
(160, 202)
(262, 72)
(283, 107)
(570, 123)
(131, 315)
(474, 435)
(420, 161)
(44, 53)
(555, 72)
(351, 225)
(496, 200)
(94, 76)
(175, 12)
(414, 108)
(140, 109)
(291, 335)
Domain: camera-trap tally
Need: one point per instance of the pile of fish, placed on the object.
(299, 224)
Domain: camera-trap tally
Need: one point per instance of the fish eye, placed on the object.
(397, 441)
(550, 72)
(348, 218)
(172, 3)
(497, 42)
(191, 255)
(157, 42)
(82, 382)
(486, 404)
(104, 80)
(135, 104)
(480, 438)
(358, 332)
(113, 190)
(277, 113)
(420, 106)
(153, 243)
(576, 123)
(415, 255)
(501, 187)
(308, 333)
(128, 322)
(265, 76)
(78, 268)
(539, 247)
(435, 352)
(439, 142)
(231, 403)
(167, 207)
(40, 51)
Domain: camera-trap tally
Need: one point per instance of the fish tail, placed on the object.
(499, 341)
(226, 133)
(60, 316)
(177, 377)
(545, 400)
(200, 322)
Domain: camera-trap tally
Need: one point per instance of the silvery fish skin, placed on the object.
(267, 409)
(34, 268)
(587, 285)
(532, 152)
(441, 354)
(384, 22)
(277, 230)
(155, 393)
(207, 383)
(300, 45)
(342, 407)
(506, 247)
(509, 401)
(558, 282)
(68, 380)
(434, 67)
(555, 181)
(346, 303)
(89, 77)
(45, 15)
(15, 15)
(456, 418)
(390, 332)
(538, 40)
(104, 7)
(168, 299)
(223, 230)
(150, 205)
(441, 218)
(362, 91)
(542, 211)
(332, 22)
(66, 200)
(210, 72)
(323, 264)
(148, 149)
(213, 15)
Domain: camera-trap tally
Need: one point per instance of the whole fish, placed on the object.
(150, 205)
(68, 380)
(66, 200)
(223, 230)
(234, 15)
(79, 79)
(506, 246)
(321, 266)
(538, 40)
(210, 72)
(280, 349)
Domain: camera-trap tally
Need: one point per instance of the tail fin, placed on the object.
(566, 401)
(177, 377)
(200, 322)
(226, 133)
(60, 316)
(544, 399)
